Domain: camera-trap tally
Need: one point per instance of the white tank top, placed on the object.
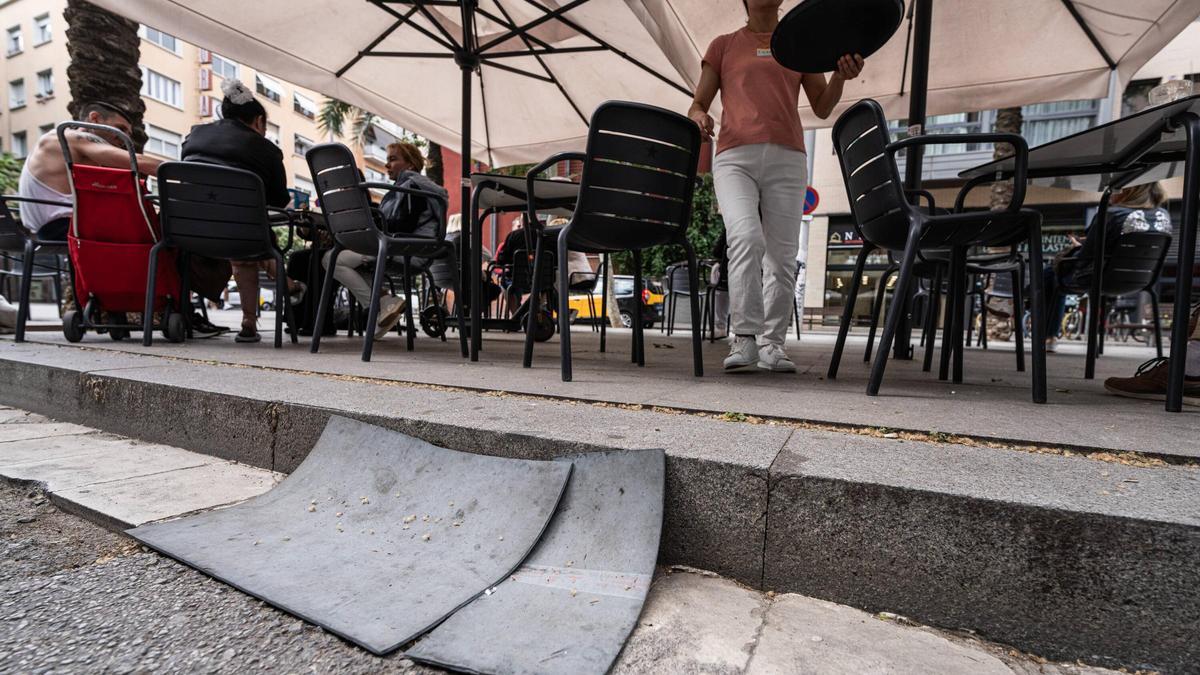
(34, 216)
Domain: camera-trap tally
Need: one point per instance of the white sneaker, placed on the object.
(390, 309)
(743, 351)
(772, 357)
(8, 316)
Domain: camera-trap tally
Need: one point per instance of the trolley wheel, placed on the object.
(118, 334)
(175, 329)
(544, 327)
(72, 323)
(434, 321)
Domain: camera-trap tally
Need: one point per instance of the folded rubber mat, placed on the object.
(574, 601)
(377, 536)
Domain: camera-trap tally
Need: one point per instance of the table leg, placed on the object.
(1186, 260)
(474, 240)
(1095, 301)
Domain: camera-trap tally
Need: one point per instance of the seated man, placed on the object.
(239, 140)
(402, 214)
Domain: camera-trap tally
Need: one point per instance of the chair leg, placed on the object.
(592, 312)
(535, 301)
(185, 292)
(1018, 315)
(694, 274)
(457, 308)
(1037, 308)
(1105, 308)
(376, 294)
(972, 283)
(58, 292)
(151, 288)
(848, 312)
(283, 302)
(876, 310)
(409, 329)
(953, 305)
(26, 285)
(1157, 322)
(897, 309)
(983, 319)
(964, 294)
(932, 305)
(604, 304)
(564, 321)
(324, 303)
(639, 343)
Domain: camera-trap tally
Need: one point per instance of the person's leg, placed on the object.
(245, 275)
(347, 273)
(1056, 304)
(783, 182)
(208, 278)
(736, 185)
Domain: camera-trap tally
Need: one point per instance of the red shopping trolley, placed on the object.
(113, 234)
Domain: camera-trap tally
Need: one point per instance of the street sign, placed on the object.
(811, 200)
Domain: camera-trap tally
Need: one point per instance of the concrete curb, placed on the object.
(1021, 548)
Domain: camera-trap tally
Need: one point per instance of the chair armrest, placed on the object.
(33, 200)
(291, 224)
(396, 188)
(1021, 158)
(531, 178)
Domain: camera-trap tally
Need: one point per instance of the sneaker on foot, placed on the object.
(1150, 383)
(743, 352)
(390, 309)
(772, 357)
(249, 333)
(202, 328)
(1051, 345)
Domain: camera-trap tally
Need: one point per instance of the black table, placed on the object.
(496, 193)
(1158, 143)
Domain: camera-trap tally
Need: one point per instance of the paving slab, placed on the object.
(23, 432)
(61, 447)
(11, 416)
(136, 501)
(803, 635)
(111, 461)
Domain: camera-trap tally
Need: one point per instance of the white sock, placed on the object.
(1192, 369)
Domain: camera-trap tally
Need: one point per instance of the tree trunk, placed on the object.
(434, 168)
(614, 312)
(1008, 121)
(104, 50)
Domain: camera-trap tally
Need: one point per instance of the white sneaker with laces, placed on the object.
(743, 352)
(772, 357)
(390, 309)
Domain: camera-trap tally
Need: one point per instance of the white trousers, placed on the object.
(760, 190)
(348, 274)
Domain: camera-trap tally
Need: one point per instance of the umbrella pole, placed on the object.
(912, 162)
(471, 236)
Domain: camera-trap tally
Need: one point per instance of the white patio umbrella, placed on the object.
(532, 71)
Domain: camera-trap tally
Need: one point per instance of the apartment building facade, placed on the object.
(181, 85)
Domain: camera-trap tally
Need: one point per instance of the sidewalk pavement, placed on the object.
(693, 622)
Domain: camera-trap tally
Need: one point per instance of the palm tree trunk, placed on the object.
(1008, 121)
(433, 169)
(104, 50)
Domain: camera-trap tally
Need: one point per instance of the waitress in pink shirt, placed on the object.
(761, 173)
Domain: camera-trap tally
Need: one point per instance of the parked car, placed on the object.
(652, 301)
(266, 297)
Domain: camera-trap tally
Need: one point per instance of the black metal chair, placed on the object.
(888, 221)
(1132, 265)
(584, 283)
(216, 212)
(679, 285)
(639, 173)
(16, 240)
(346, 202)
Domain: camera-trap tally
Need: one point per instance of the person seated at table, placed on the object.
(239, 140)
(1134, 209)
(402, 214)
(1151, 379)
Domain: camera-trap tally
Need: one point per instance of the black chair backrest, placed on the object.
(638, 178)
(214, 211)
(873, 182)
(346, 206)
(678, 280)
(12, 232)
(1134, 262)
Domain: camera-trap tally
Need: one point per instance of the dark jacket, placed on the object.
(414, 214)
(1077, 265)
(231, 143)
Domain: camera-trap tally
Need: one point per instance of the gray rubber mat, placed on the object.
(572, 604)
(377, 536)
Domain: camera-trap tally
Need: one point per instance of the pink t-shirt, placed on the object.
(759, 97)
